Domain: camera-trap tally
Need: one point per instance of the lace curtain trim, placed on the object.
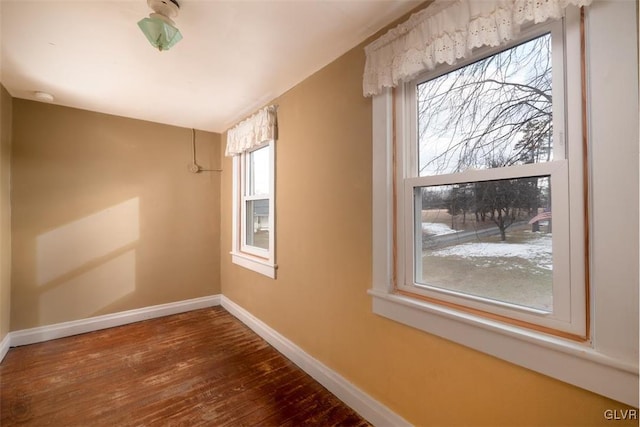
(447, 31)
(252, 132)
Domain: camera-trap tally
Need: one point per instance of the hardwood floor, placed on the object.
(202, 368)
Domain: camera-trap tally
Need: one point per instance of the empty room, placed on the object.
(319, 212)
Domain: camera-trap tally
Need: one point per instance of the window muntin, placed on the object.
(532, 150)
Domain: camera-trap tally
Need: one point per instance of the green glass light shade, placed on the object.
(160, 33)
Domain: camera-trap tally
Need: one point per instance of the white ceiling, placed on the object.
(235, 55)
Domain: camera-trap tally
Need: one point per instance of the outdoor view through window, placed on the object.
(257, 198)
(490, 238)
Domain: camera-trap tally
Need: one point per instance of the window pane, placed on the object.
(258, 223)
(258, 172)
(493, 113)
(490, 239)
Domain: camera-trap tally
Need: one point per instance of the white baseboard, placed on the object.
(369, 408)
(60, 330)
(4, 346)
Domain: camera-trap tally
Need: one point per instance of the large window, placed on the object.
(496, 176)
(484, 188)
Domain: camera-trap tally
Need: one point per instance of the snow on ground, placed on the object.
(437, 228)
(537, 250)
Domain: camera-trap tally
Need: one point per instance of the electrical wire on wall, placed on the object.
(194, 167)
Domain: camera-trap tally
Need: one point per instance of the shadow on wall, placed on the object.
(87, 264)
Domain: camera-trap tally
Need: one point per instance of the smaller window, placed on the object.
(252, 145)
(255, 201)
(253, 210)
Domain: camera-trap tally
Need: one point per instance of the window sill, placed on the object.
(571, 362)
(256, 264)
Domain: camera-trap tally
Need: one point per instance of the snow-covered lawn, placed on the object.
(517, 271)
(536, 250)
(436, 228)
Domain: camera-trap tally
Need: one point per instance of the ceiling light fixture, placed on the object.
(43, 96)
(158, 27)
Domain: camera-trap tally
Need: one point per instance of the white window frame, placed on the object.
(254, 258)
(606, 363)
(569, 294)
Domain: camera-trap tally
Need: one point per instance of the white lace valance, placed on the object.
(252, 132)
(448, 30)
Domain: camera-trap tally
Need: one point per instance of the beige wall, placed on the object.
(6, 104)
(320, 301)
(106, 216)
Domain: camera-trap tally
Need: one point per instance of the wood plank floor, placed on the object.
(199, 368)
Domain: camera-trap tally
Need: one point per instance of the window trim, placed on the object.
(250, 257)
(605, 364)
